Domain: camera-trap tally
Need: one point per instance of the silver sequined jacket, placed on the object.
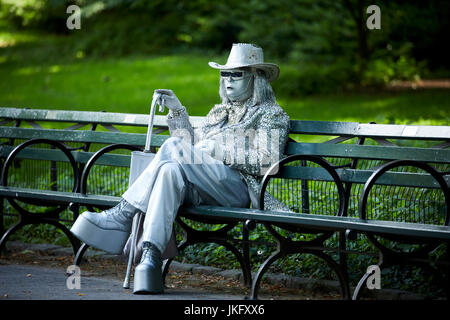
(256, 152)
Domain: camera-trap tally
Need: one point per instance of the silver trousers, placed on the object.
(181, 173)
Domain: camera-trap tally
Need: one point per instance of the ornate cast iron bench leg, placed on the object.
(286, 247)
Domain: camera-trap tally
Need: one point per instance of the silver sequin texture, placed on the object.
(267, 117)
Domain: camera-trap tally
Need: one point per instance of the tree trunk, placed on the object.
(357, 11)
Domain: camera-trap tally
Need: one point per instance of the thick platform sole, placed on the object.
(147, 281)
(111, 241)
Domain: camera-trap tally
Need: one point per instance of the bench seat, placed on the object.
(326, 223)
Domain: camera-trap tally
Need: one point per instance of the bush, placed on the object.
(48, 15)
(385, 70)
(312, 78)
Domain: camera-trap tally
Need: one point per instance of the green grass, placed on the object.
(126, 85)
(414, 107)
(115, 85)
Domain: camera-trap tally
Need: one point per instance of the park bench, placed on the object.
(388, 183)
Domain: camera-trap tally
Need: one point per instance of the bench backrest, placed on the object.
(356, 149)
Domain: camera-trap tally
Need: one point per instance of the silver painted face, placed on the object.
(238, 84)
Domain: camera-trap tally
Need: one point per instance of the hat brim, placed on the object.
(271, 70)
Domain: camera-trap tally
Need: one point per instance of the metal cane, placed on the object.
(126, 282)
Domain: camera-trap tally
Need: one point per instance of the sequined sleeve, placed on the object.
(179, 125)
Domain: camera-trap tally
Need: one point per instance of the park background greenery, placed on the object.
(332, 66)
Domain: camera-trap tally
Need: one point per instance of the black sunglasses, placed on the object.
(235, 75)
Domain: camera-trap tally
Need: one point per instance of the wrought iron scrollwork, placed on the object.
(50, 217)
(287, 246)
(83, 183)
(418, 256)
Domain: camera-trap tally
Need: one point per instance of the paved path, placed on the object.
(27, 282)
(36, 272)
(28, 290)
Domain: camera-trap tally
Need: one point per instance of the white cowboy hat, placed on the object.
(248, 55)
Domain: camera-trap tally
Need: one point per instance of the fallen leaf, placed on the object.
(81, 294)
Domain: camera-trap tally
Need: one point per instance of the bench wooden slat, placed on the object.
(328, 150)
(369, 152)
(332, 223)
(331, 128)
(126, 119)
(355, 129)
(58, 196)
(117, 160)
(81, 136)
(405, 179)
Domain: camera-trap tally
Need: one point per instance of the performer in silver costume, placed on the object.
(219, 163)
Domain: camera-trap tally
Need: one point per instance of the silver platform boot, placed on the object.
(148, 274)
(108, 230)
